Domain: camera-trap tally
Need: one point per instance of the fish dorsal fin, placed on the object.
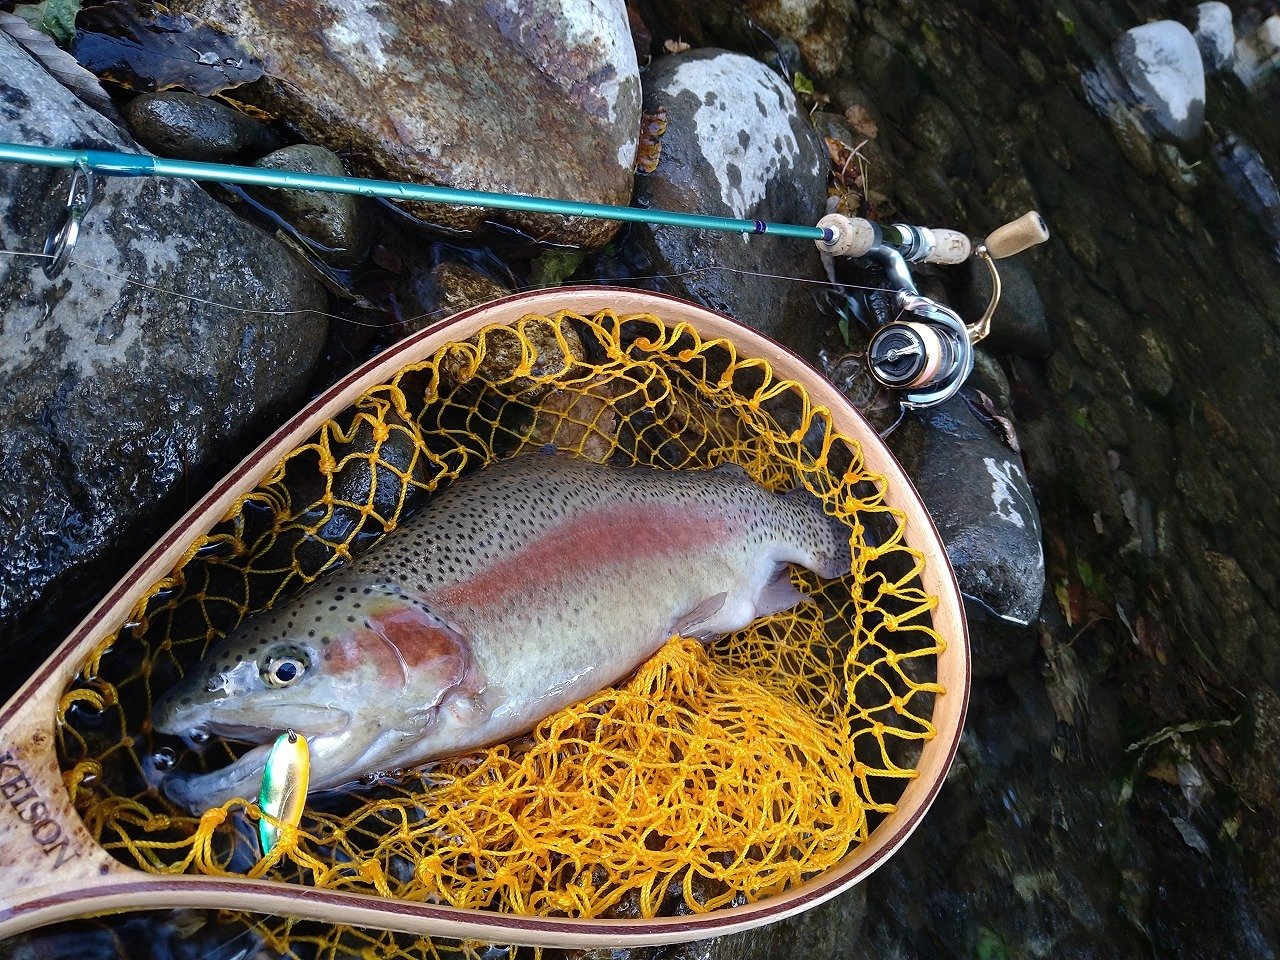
(688, 625)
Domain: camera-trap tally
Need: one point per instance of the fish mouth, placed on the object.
(242, 777)
(308, 719)
(197, 726)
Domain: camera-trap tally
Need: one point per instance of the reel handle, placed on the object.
(1016, 236)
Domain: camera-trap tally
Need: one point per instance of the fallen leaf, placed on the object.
(652, 127)
(146, 49)
(859, 118)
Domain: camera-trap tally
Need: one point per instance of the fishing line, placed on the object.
(434, 314)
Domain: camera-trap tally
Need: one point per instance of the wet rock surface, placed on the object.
(736, 145)
(338, 223)
(1018, 326)
(537, 96)
(1215, 34)
(1161, 63)
(977, 491)
(177, 124)
(121, 401)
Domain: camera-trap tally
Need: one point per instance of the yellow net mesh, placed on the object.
(713, 776)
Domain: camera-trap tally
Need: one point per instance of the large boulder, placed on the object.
(531, 96)
(736, 145)
(123, 397)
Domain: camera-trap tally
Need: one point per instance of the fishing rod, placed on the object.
(925, 359)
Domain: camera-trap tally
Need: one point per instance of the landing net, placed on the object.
(713, 776)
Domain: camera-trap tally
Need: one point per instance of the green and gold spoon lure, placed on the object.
(284, 787)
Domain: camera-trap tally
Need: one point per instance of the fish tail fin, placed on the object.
(825, 537)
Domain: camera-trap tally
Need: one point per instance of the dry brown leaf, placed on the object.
(859, 118)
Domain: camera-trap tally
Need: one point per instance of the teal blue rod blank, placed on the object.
(112, 164)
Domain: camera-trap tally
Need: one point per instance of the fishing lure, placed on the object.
(284, 787)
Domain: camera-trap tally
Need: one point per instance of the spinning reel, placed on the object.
(927, 356)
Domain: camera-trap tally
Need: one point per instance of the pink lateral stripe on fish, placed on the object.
(524, 587)
(582, 544)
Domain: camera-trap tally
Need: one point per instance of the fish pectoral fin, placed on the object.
(779, 594)
(691, 623)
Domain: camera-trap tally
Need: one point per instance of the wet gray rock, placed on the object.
(1161, 64)
(989, 377)
(1258, 54)
(122, 401)
(183, 125)
(820, 28)
(1019, 325)
(736, 146)
(1251, 180)
(338, 222)
(1215, 35)
(977, 492)
(533, 96)
(428, 296)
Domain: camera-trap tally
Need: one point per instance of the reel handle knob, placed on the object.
(851, 236)
(949, 246)
(1017, 235)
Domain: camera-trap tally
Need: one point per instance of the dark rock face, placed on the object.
(177, 124)
(977, 491)
(119, 399)
(1018, 325)
(537, 96)
(736, 145)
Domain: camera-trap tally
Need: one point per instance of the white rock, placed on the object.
(1161, 63)
(1215, 35)
(1258, 55)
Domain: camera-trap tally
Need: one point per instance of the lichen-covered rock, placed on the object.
(178, 124)
(976, 490)
(1161, 63)
(122, 400)
(522, 96)
(338, 222)
(736, 145)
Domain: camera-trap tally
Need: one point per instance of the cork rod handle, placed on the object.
(1017, 235)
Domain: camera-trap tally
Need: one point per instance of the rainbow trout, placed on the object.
(522, 588)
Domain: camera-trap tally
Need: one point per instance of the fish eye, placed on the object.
(284, 669)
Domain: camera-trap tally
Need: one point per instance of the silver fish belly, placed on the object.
(522, 588)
